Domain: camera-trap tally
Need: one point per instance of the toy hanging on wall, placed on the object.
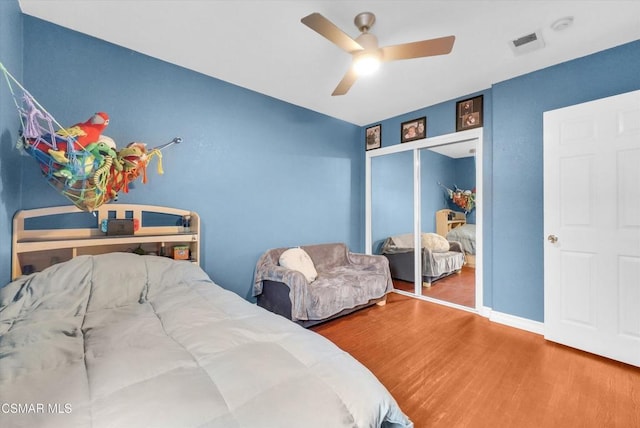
(465, 199)
(80, 161)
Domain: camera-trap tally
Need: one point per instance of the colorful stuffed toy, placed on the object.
(108, 141)
(52, 151)
(77, 169)
(100, 151)
(93, 162)
(87, 132)
(106, 161)
(130, 164)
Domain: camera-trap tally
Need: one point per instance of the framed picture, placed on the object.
(415, 129)
(469, 113)
(373, 137)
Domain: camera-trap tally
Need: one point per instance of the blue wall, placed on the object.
(512, 164)
(261, 173)
(10, 159)
(434, 168)
(391, 196)
(518, 105)
(392, 191)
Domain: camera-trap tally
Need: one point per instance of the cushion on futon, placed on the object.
(435, 242)
(298, 259)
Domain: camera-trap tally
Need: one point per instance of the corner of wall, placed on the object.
(531, 326)
(11, 55)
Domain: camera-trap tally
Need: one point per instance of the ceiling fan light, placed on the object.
(366, 64)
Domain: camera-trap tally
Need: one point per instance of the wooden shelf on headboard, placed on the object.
(39, 248)
(444, 225)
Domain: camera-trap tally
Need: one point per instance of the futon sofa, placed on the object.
(440, 257)
(345, 282)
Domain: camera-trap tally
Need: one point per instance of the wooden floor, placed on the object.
(457, 288)
(451, 368)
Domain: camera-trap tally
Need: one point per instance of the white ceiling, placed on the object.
(263, 46)
(463, 149)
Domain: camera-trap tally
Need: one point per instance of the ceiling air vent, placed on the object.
(528, 43)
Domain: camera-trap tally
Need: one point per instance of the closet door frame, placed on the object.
(415, 147)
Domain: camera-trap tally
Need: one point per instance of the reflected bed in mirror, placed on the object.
(453, 226)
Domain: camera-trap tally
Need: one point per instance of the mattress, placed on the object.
(120, 340)
(466, 236)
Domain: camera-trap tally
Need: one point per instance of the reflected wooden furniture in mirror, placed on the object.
(447, 219)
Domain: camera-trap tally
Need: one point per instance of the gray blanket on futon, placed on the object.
(120, 340)
(345, 280)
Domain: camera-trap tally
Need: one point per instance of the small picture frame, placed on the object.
(414, 129)
(469, 113)
(373, 137)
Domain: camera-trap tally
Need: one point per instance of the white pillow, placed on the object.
(298, 259)
(435, 242)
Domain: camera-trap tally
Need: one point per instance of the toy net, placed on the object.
(90, 173)
(465, 199)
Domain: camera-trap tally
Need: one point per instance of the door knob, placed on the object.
(552, 238)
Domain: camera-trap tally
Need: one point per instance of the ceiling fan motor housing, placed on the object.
(364, 21)
(370, 53)
(368, 41)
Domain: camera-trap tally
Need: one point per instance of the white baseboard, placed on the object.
(536, 327)
(485, 311)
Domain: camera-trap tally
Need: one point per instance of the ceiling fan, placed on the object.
(367, 56)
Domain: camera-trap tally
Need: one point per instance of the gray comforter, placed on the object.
(120, 340)
(466, 236)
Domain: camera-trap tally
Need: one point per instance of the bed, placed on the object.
(454, 227)
(126, 340)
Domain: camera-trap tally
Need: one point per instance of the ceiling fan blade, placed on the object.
(440, 46)
(327, 29)
(345, 84)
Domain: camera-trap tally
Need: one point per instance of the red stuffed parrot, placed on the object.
(87, 132)
(83, 133)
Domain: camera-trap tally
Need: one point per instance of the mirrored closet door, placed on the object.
(447, 209)
(392, 227)
(427, 195)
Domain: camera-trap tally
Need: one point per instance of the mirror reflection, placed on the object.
(448, 181)
(447, 207)
(392, 215)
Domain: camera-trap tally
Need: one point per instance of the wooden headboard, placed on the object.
(444, 225)
(37, 244)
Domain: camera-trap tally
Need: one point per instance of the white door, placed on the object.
(592, 226)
